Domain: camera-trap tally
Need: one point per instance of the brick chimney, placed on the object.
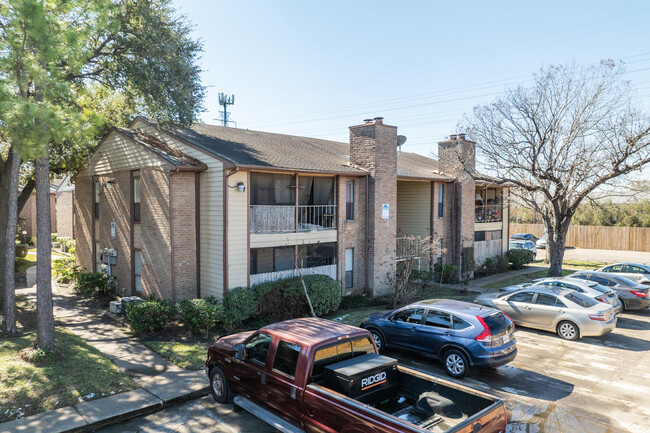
(457, 158)
(373, 145)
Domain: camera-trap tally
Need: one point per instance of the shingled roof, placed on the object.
(243, 147)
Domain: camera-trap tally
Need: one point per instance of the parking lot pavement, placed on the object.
(604, 256)
(593, 385)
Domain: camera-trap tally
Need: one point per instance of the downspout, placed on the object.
(197, 226)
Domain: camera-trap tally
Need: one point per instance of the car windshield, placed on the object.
(498, 323)
(580, 299)
(516, 245)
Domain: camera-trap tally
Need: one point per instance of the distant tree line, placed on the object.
(596, 214)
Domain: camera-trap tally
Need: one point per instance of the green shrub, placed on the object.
(66, 243)
(444, 273)
(239, 304)
(285, 299)
(518, 258)
(21, 250)
(95, 284)
(65, 270)
(201, 314)
(355, 301)
(149, 316)
(54, 236)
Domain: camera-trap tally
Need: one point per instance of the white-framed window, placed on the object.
(349, 268)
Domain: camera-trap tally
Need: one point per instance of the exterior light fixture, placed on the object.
(241, 187)
(110, 184)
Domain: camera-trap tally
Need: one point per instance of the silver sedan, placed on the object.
(634, 271)
(635, 296)
(568, 313)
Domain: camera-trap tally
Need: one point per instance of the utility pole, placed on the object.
(225, 100)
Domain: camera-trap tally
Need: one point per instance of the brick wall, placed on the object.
(84, 221)
(64, 213)
(374, 147)
(156, 239)
(183, 220)
(352, 234)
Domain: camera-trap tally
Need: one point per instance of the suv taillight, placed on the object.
(638, 293)
(485, 336)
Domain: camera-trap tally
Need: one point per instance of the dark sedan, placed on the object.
(635, 296)
(460, 334)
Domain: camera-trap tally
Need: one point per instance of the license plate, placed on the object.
(507, 338)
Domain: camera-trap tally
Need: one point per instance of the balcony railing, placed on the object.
(491, 213)
(329, 270)
(408, 247)
(289, 219)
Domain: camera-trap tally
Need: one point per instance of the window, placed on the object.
(137, 272)
(544, 299)
(614, 268)
(257, 348)
(264, 260)
(441, 196)
(272, 189)
(315, 255)
(96, 200)
(580, 299)
(339, 352)
(136, 199)
(286, 358)
(479, 236)
(460, 324)
(411, 315)
(438, 319)
(349, 200)
(603, 281)
(349, 268)
(498, 323)
(98, 258)
(315, 190)
(522, 297)
(634, 269)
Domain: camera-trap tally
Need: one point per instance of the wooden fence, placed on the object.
(596, 237)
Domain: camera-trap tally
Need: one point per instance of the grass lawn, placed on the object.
(22, 263)
(523, 278)
(186, 355)
(582, 264)
(81, 373)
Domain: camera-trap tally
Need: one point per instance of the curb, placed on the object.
(94, 414)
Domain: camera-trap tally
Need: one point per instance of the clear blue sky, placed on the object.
(315, 68)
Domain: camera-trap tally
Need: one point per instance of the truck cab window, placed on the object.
(257, 348)
(286, 358)
(339, 352)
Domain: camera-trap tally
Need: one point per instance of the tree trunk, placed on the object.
(555, 246)
(9, 307)
(45, 315)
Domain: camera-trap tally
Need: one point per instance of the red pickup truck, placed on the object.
(315, 375)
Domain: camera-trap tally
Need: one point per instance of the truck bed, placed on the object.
(426, 403)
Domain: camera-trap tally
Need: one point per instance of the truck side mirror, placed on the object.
(240, 351)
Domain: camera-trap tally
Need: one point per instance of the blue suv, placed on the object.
(461, 335)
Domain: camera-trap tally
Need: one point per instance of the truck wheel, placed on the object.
(568, 330)
(380, 341)
(219, 385)
(455, 363)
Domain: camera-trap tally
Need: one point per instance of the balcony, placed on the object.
(488, 213)
(292, 219)
(408, 247)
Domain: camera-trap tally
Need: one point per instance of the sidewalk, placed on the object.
(163, 383)
(476, 284)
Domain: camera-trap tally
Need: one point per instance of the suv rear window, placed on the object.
(498, 323)
(580, 299)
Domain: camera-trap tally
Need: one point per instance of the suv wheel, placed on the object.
(568, 330)
(455, 363)
(379, 339)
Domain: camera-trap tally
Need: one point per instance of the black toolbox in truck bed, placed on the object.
(363, 376)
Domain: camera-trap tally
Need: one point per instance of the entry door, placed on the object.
(282, 393)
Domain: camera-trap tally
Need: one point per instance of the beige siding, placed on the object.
(118, 153)
(413, 208)
(237, 231)
(276, 240)
(488, 226)
(506, 218)
(211, 212)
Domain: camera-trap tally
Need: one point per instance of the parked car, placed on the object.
(315, 375)
(541, 242)
(589, 288)
(568, 313)
(523, 237)
(523, 245)
(633, 295)
(479, 337)
(634, 271)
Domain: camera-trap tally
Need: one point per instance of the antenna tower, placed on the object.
(225, 100)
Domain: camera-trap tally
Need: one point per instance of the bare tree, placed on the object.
(413, 249)
(573, 132)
